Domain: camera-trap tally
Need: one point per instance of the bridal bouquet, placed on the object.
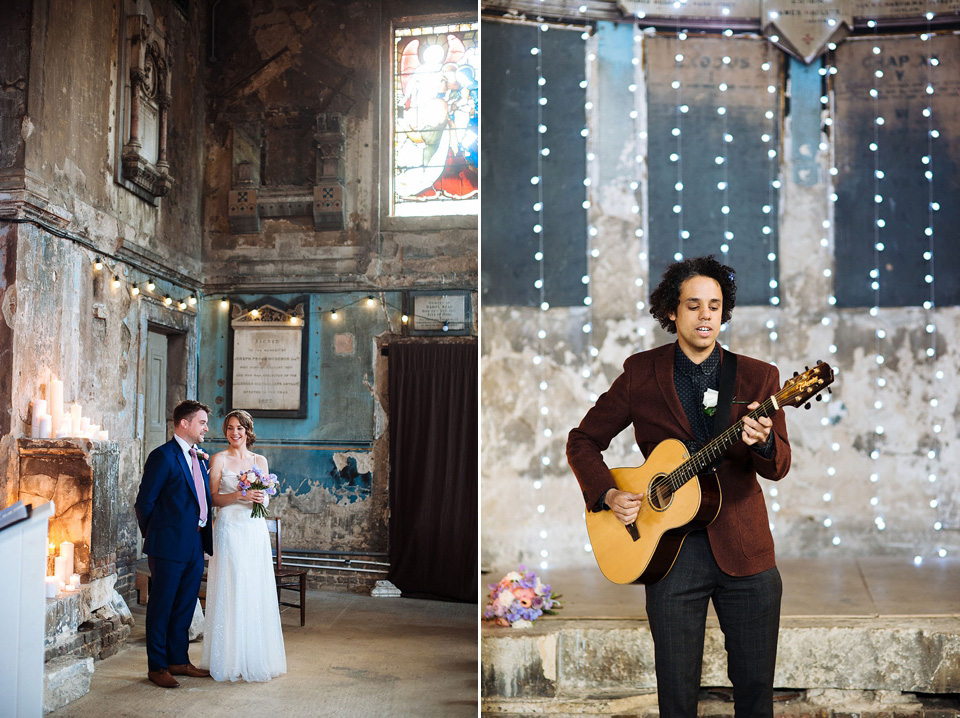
(255, 478)
(519, 599)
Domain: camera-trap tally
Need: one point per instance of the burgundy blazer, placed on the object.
(645, 395)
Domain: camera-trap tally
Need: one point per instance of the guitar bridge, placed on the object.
(633, 531)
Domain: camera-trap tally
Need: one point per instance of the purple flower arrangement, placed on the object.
(519, 599)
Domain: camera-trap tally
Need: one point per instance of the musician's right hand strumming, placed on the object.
(624, 504)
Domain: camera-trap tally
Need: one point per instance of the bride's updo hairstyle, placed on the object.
(246, 421)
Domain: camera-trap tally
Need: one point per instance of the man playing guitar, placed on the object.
(730, 561)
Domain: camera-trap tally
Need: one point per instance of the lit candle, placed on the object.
(84, 427)
(94, 431)
(51, 586)
(66, 427)
(45, 426)
(52, 548)
(75, 415)
(60, 570)
(66, 552)
(56, 403)
(75, 580)
(39, 409)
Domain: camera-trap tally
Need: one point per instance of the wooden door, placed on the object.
(155, 419)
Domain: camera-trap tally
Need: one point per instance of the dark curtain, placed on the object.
(433, 470)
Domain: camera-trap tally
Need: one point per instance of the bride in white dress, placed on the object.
(242, 636)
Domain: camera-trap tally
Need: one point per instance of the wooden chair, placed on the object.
(288, 579)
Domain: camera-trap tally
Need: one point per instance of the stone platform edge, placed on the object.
(570, 659)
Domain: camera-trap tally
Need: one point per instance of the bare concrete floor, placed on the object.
(356, 656)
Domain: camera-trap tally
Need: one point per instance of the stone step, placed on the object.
(64, 680)
(839, 665)
(718, 703)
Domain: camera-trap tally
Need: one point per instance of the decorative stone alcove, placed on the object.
(80, 477)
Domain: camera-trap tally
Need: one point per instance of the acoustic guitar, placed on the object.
(677, 499)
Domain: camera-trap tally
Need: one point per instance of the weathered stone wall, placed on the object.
(275, 72)
(60, 210)
(840, 497)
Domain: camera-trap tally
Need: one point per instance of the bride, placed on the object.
(242, 637)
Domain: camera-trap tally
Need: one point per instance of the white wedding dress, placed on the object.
(242, 636)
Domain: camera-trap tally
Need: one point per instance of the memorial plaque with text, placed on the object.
(268, 364)
(440, 313)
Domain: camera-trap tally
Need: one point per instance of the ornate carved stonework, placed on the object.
(328, 211)
(323, 199)
(265, 314)
(144, 154)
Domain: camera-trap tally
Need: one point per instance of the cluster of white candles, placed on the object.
(58, 424)
(63, 578)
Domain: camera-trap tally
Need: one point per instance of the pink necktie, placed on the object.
(198, 483)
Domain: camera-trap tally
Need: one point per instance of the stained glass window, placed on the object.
(436, 120)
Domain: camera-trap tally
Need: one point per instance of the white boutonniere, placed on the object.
(710, 401)
(203, 455)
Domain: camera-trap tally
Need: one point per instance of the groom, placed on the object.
(174, 512)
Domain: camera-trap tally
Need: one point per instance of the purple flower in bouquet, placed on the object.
(519, 599)
(256, 478)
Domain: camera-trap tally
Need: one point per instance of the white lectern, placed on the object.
(23, 564)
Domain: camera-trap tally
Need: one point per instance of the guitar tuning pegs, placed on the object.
(819, 362)
(819, 397)
(796, 373)
(829, 390)
(807, 405)
(806, 368)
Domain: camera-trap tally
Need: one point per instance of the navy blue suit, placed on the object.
(168, 512)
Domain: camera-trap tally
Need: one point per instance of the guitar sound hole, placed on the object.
(660, 495)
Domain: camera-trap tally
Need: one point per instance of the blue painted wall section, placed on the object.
(331, 449)
(806, 88)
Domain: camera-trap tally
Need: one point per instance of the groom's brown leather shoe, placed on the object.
(188, 669)
(163, 678)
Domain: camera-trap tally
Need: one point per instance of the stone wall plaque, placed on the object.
(268, 361)
(438, 313)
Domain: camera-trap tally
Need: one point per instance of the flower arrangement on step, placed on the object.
(519, 599)
(255, 478)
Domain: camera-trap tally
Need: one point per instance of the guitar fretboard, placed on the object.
(713, 450)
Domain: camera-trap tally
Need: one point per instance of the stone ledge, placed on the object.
(559, 659)
(717, 703)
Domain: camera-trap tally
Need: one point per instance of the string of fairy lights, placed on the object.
(933, 206)
(543, 427)
(145, 286)
(149, 287)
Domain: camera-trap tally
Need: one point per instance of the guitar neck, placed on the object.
(716, 448)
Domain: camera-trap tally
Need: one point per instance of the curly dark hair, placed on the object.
(246, 421)
(665, 299)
